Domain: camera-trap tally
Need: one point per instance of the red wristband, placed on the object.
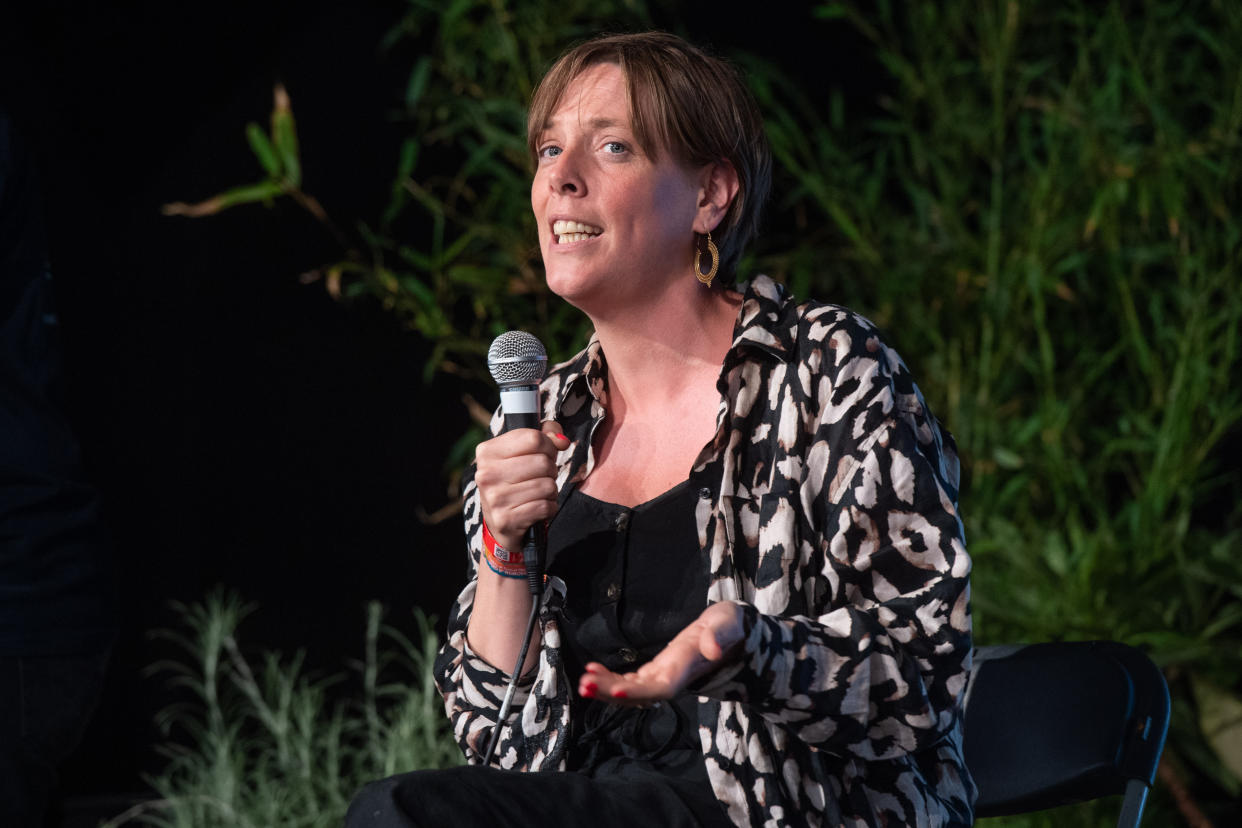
(502, 561)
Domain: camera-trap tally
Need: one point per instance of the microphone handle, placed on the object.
(513, 421)
(521, 407)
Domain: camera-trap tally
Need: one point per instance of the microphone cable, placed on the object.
(536, 597)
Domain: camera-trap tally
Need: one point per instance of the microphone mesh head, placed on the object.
(517, 358)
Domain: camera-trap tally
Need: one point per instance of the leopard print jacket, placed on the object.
(828, 511)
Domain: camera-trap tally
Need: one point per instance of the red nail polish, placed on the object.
(588, 691)
(620, 694)
(562, 436)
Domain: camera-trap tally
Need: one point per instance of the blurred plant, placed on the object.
(264, 747)
(278, 155)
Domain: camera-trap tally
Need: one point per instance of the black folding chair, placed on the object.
(1051, 724)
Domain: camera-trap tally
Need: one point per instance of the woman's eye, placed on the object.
(550, 152)
(615, 147)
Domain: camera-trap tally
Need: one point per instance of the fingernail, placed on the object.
(562, 436)
(588, 691)
(620, 694)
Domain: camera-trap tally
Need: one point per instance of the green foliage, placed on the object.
(1041, 216)
(277, 153)
(263, 746)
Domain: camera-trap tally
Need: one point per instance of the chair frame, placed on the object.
(1055, 723)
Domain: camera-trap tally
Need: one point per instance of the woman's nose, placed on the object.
(566, 177)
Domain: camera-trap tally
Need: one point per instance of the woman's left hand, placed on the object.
(713, 640)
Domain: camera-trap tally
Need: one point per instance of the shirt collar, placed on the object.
(767, 321)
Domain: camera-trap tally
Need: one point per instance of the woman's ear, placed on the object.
(718, 188)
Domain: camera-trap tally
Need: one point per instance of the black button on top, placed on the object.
(705, 493)
(613, 592)
(628, 655)
(622, 521)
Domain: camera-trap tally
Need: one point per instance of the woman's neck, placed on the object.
(657, 350)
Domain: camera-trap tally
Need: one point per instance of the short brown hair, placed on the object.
(686, 102)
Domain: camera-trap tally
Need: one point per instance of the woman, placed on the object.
(757, 610)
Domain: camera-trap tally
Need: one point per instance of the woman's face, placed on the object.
(612, 222)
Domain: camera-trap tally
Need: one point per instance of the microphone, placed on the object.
(518, 363)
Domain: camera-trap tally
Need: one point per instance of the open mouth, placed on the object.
(573, 231)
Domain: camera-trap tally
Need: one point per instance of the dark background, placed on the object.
(242, 427)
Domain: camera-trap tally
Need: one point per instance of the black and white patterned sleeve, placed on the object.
(876, 666)
(534, 736)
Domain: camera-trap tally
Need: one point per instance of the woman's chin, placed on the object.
(572, 286)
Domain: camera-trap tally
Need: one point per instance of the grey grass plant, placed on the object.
(1040, 209)
(261, 744)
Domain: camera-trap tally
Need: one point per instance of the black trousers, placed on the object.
(620, 794)
(45, 704)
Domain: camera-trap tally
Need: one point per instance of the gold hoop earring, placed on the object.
(706, 278)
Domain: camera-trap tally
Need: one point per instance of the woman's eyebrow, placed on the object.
(594, 123)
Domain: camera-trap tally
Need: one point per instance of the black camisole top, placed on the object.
(635, 577)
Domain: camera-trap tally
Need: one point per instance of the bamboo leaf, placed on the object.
(262, 149)
(417, 84)
(264, 192)
(285, 137)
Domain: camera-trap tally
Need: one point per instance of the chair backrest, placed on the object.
(1051, 724)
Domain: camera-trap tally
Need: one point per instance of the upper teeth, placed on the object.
(570, 231)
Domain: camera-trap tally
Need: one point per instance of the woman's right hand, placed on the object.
(516, 477)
